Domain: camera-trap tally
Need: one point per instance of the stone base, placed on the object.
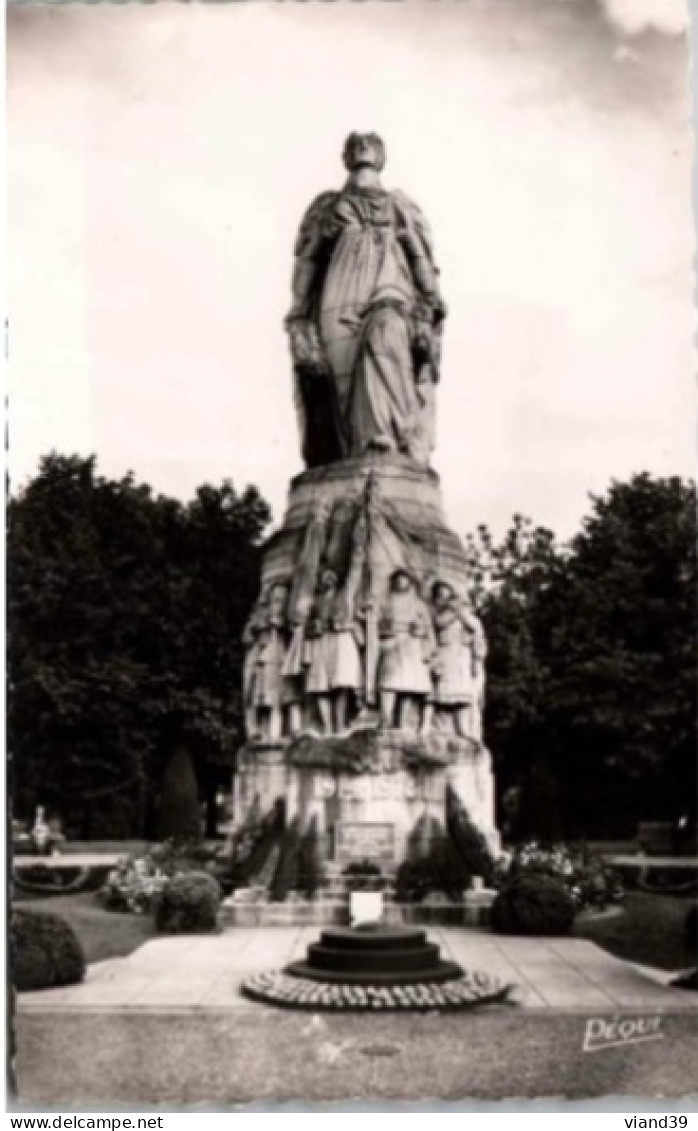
(473, 912)
(382, 781)
(409, 491)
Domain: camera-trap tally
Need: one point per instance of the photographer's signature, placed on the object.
(604, 1032)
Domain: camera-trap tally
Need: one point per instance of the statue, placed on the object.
(458, 667)
(252, 639)
(275, 695)
(405, 650)
(366, 316)
(333, 657)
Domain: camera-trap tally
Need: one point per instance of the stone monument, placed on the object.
(364, 670)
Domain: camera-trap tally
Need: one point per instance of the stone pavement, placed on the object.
(199, 974)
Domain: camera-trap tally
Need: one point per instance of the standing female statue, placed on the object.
(365, 322)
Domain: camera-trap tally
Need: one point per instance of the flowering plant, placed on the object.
(363, 875)
(591, 882)
(135, 884)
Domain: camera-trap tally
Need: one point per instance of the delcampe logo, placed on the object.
(602, 1033)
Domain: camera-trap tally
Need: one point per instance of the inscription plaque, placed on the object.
(370, 841)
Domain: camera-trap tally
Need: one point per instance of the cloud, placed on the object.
(632, 17)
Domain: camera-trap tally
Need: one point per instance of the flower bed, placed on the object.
(589, 880)
(467, 992)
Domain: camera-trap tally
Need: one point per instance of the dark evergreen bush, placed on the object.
(286, 875)
(44, 951)
(178, 817)
(254, 845)
(363, 875)
(309, 870)
(451, 874)
(469, 841)
(188, 905)
(433, 864)
(533, 905)
(413, 881)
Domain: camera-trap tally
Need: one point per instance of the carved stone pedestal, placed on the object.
(364, 667)
(368, 791)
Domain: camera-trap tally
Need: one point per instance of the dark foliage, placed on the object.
(363, 875)
(591, 707)
(533, 904)
(178, 816)
(309, 870)
(253, 845)
(125, 616)
(286, 875)
(434, 863)
(469, 842)
(188, 905)
(44, 951)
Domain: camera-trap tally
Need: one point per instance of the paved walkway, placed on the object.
(197, 974)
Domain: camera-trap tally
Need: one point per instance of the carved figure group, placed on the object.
(428, 668)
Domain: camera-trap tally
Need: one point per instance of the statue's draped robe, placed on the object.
(370, 253)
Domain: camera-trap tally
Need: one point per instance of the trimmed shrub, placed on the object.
(188, 905)
(533, 905)
(413, 881)
(44, 951)
(178, 817)
(309, 871)
(452, 875)
(474, 850)
(286, 875)
(363, 875)
(253, 846)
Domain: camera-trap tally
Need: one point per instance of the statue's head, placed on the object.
(278, 596)
(367, 150)
(442, 594)
(401, 581)
(328, 581)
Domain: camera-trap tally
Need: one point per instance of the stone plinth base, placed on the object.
(473, 912)
(367, 791)
(409, 492)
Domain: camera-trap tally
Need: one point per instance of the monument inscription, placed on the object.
(372, 841)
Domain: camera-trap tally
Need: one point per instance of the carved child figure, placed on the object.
(458, 667)
(274, 694)
(406, 647)
(334, 670)
(252, 639)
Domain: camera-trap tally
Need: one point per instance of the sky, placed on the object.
(159, 159)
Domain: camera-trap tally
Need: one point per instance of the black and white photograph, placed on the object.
(350, 556)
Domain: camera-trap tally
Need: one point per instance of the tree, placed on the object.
(620, 633)
(591, 694)
(178, 816)
(125, 615)
(510, 582)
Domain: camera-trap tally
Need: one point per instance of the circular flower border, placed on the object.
(276, 987)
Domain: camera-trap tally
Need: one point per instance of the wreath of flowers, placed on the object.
(474, 988)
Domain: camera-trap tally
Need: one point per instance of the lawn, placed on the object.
(103, 934)
(649, 930)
